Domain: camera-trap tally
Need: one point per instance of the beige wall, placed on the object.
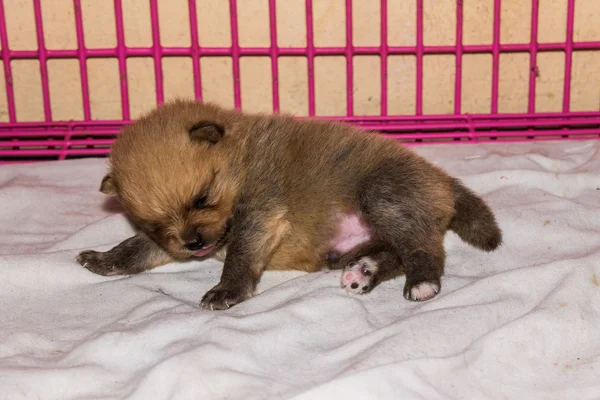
(329, 15)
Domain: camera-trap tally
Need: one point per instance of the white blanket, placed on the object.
(519, 323)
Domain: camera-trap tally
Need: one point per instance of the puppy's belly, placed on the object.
(304, 251)
(351, 231)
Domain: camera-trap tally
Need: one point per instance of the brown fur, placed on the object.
(279, 183)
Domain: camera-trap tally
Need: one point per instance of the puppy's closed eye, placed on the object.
(201, 201)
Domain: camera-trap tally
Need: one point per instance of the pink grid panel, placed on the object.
(23, 141)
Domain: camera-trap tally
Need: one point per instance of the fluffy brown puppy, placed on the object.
(278, 193)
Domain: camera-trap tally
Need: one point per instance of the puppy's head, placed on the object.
(176, 174)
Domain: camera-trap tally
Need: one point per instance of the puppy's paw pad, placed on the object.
(221, 299)
(421, 291)
(357, 277)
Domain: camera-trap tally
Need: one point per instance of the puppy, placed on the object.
(271, 192)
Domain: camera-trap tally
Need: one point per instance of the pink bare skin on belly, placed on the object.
(352, 231)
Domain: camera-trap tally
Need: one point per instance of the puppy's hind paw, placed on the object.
(358, 276)
(421, 291)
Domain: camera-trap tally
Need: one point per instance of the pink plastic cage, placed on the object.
(58, 140)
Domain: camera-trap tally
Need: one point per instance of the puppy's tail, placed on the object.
(474, 222)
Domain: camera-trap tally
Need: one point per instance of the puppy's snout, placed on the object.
(193, 240)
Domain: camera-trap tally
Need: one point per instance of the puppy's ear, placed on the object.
(108, 185)
(206, 131)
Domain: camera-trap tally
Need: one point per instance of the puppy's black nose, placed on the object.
(193, 240)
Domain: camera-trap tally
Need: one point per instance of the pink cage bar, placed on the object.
(58, 140)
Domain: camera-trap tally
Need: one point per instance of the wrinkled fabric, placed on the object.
(519, 323)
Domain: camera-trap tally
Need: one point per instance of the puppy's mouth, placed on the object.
(209, 248)
(206, 250)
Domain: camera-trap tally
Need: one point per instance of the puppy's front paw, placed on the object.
(99, 263)
(358, 276)
(219, 298)
(421, 291)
